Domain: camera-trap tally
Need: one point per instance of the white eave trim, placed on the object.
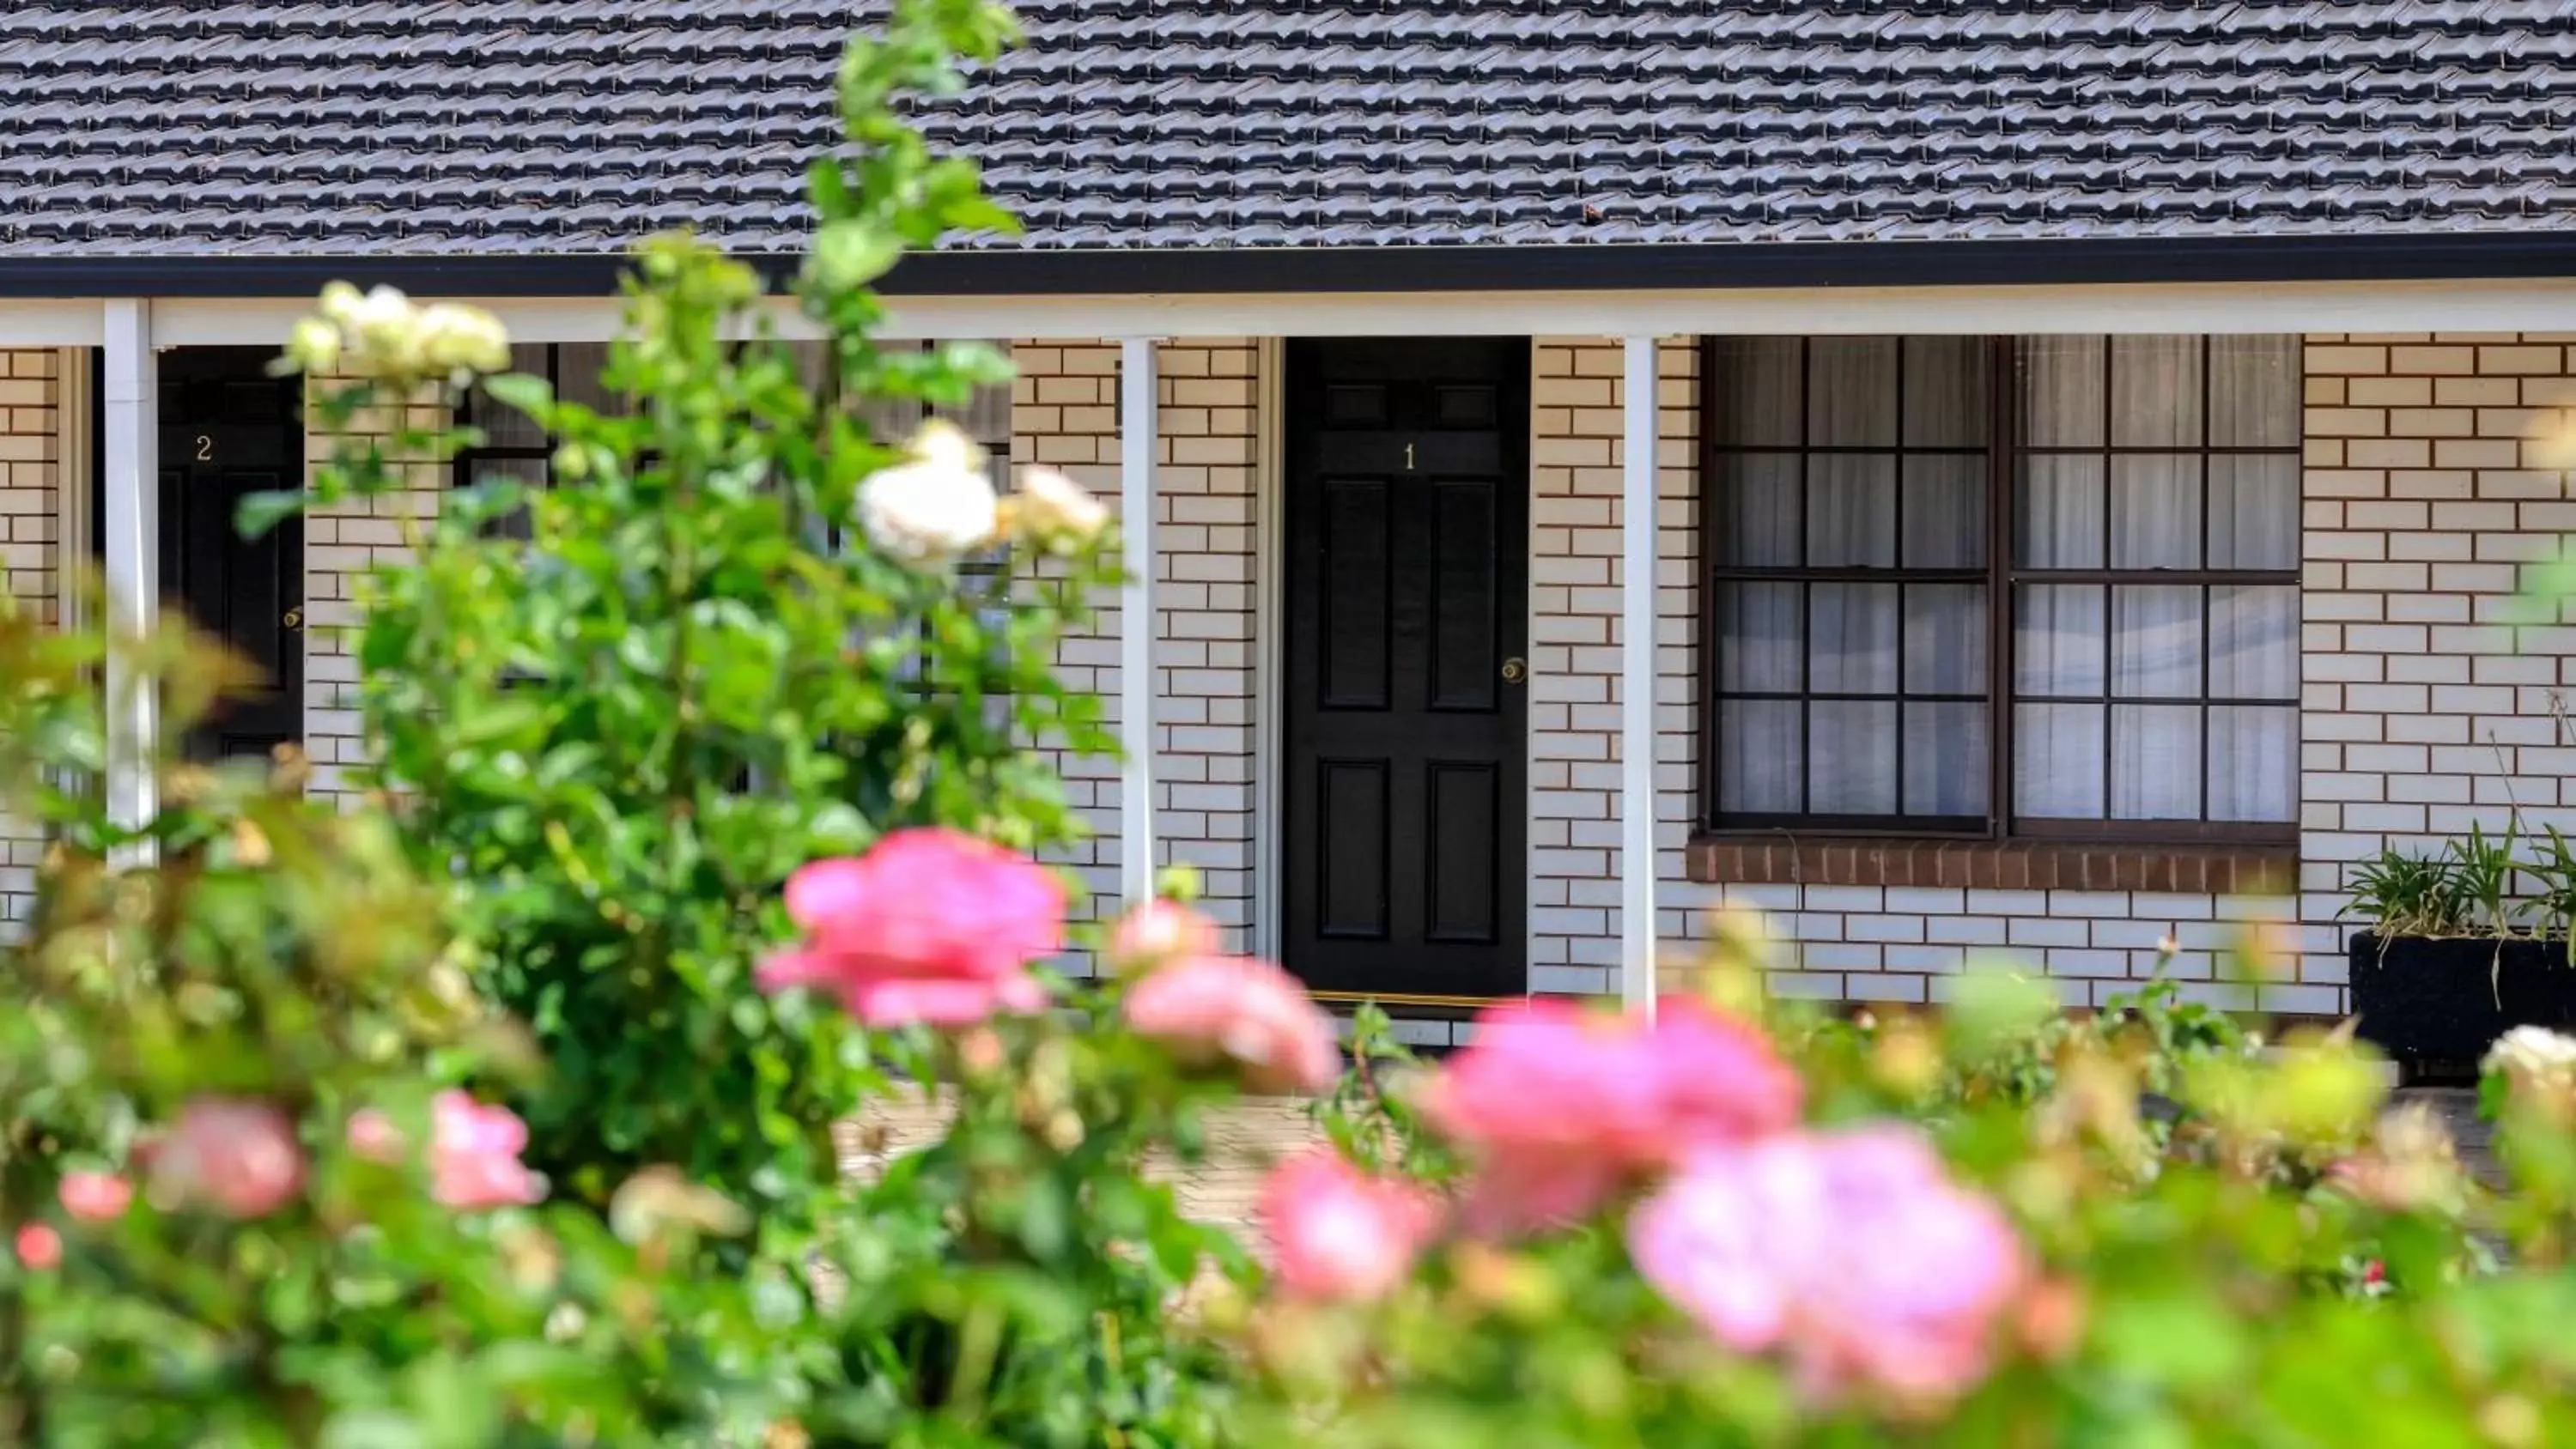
(2272, 307)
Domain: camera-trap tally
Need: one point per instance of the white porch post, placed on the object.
(130, 531)
(1637, 685)
(1137, 430)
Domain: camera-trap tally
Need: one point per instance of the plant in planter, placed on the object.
(2455, 955)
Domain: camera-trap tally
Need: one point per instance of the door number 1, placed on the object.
(1408, 457)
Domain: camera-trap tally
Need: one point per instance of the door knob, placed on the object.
(294, 618)
(1515, 670)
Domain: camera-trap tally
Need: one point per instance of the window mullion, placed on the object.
(2002, 358)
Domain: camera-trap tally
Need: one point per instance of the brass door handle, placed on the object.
(294, 618)
(1515, 670)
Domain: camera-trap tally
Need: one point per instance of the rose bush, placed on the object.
(500, 1111)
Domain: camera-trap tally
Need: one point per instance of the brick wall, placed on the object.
(341, 544)
(28, 520)
(1577, 402)
(2428, 705)
(1064, 412)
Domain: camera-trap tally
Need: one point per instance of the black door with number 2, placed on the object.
(1407, 521)
(229, 430)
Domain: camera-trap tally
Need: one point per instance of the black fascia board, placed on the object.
(2384, 256)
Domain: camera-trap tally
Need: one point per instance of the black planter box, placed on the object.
(2446, 998)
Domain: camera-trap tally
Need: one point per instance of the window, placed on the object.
(1972, 586)
(513, 446)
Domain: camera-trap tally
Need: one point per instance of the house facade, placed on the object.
(1971, 482)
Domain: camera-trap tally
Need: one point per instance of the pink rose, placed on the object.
(929, 926)
(1212, 1007)
(373, 1136)
(95, 1197)
(1563, 1104)
(1853, 1252)
(239, 1157)
(1340, 1234)
(40, 1247)
(474, 1155)
(1160, 931)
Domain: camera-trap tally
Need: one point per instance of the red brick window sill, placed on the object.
(2037, 865)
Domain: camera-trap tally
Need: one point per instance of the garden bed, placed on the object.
(2436, 1003)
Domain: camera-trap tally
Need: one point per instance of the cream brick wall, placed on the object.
(29, 516)
(2431, 700)
(341, 544)
(1064, 412)
(2425, 709)
(1577, 402)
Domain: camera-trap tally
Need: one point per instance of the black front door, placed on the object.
(228, 430)
(1407, 609)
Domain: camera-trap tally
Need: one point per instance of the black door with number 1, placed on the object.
(1407, 575)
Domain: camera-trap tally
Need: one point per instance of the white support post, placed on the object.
(1637, 685)
(130, 532)
(1137, 430)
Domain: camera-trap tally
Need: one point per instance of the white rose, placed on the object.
(1054, 506)
(456, 339)
(2531, 1051)
(386, 328)
(314, 345)
(934, 507)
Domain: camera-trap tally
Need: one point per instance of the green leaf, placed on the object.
(521, 391)
(850, 254)
(260, 512)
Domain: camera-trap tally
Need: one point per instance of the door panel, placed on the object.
(229, 430)
(1407, 598)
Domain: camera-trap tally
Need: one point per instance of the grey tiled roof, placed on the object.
(457, 127)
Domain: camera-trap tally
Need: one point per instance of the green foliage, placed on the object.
(2407, 895)
(619, 735)
(272, 950)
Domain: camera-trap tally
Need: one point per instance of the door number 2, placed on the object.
(205, 448)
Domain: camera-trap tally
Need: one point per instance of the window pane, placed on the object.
(1945, 511)
(507, 427)
(2059, 636)
(1761, 643)
(577, 369)
(1851, 757)
(1851, 392)
(2061, 391)
(2254, 392)
(1757, 402)
(1758, 509)
(2254, 511)
(1758, 750)
(2254, 642)
(2155, 762)
(2155, 511)
(2253, 763)
(2057, 513)
(1853, 647)
(1945, 392)
(2155, 392)
(986, 418)
(2057, 761)
(1851, 510)
(1946, 758)
(2155, 641)
(1945, 639)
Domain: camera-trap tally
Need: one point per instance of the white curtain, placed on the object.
(2112, 679)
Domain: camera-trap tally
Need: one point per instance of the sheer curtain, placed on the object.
(2148, 700)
